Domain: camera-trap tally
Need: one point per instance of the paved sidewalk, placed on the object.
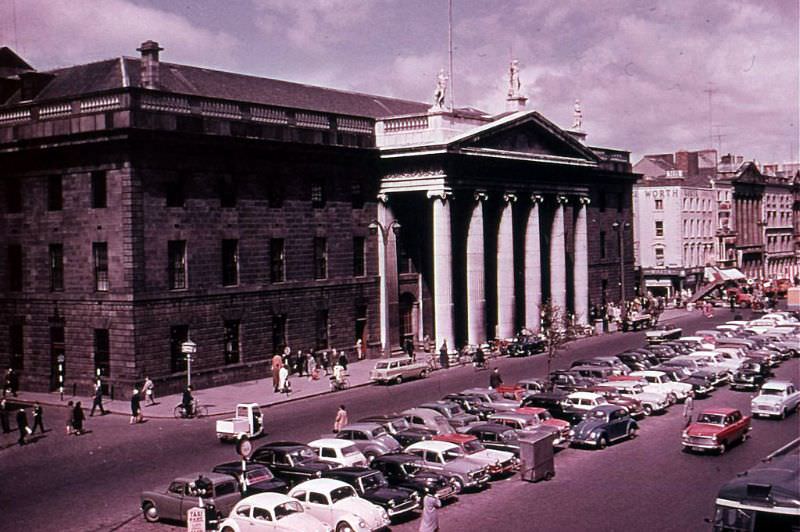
(223, 399)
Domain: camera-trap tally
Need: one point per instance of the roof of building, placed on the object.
(123, 72)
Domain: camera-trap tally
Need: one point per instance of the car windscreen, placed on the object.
(400, 424)
(711, 419)
(378, 432)
(770, 391)
(258, 474)
(342, 493)
(372, 481)
(301, 455)
(382, 365)
(288, 508)
(473, 446)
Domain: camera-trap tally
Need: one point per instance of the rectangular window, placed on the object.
(176, 192)
(278, 333)
(323, 329)
(177, 264)
(356, 196)
(659, 204)
(227, 192)
(230, 262)
(231, 339)
(320, 257)
(659, 256)
(13, 191)
(102, 353)
(177, 335)
(100, 256)
(17, 345)
(359, 267)
(317, 194)
(56, 267)
(602, 244)
(99, 192)
(277, 260)
(55, 194)
(15, 267)
(659, 228)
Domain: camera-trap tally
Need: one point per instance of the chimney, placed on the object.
(150, 74)
(687, 162)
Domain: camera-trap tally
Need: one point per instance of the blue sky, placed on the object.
(639, 67)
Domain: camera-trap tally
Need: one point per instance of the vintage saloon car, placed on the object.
(470, 404)
(652, 402)
(453, 412)
(219, 491)
(398, 369)
(716, 429)
(372, 439)
(257, 477)
(663, 333)
(497, 436)
(634, 406)
(776, 399)
(496, 462)
(751, 375)
(603, 425)
(449, 460)
(340, 453)
(658, 381)
(337, 504)
(291, 461)
(372, 486)
(403, 470)
(425, 418)
(399, 428)
(271, 512)
(492, 398)
(555, 403)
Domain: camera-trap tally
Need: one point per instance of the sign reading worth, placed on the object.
(188, 347)
(196, 519)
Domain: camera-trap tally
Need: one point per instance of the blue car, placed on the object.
(602, 425)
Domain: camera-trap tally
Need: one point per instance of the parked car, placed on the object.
(403, 470)
(220, 493)
(532, 386)
(604, 424)
(592, 374)
(750, 376)
(450, 460)
(271, 512)
(716, 429)
(291, 461)
(553, 402)
(496, 462)
(702, 383)
(452, 412)
(492, 398)
(337, 504)
(585, 401)
(658, 381)
(776, 399)
(652, 402)
(635, 361)
(522, 421)
(425, 418)
(371, 439)
(257, 478)
(399, 428)
(527, 345)
(470, 404)
(663, 333)
(572, 380)
(634, 406)
(398, 369)
(340, 453)
(372, 486)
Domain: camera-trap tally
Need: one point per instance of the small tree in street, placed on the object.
(557, 329)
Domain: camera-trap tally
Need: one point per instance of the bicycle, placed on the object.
(198, 411)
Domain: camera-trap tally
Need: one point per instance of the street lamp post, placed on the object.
(387, 270)
(620, 227)
(188, 348)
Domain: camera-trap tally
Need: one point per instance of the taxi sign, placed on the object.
(196, 519)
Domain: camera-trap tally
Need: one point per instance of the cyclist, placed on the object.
(188, 402)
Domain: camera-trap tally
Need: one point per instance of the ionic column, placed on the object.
(442, 269)
(533, 267)
(558, 259)
(476, 293)
(505, 269)
(387, 269)
(383, 220)
(581, 274)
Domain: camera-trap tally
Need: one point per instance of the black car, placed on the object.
(398, 427)
(555, 403)
(471, 405)
(291, 461)
(635, 361)
(496, 436)
(749, 376)
(527, 345)
(604, 424)
(373, 486)
(570, 381)
(402, 470)
(257, 478)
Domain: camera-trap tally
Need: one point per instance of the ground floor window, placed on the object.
(102, 354)
(323, 329)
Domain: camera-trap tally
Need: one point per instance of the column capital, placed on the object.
(561, 199)
(480, 195)
(509, 197)
(537, 199)
(383, 197)
(443, 194)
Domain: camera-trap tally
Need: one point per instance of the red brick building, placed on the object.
(145, 203)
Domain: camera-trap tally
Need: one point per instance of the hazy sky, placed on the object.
(639, 67)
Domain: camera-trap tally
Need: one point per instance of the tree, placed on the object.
(557, 329)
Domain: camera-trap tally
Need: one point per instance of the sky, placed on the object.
(643, 69)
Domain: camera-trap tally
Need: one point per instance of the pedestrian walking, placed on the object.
(495, 379)
(359, 347)
(277, 364)
(326, 361)
(98, 399)
(408, 347)
(11, 383)
(343, 359)
(303, 363)
(4, 416)
(444, 362)
(688, 409)
(283, 378)
(148, 389)
(311, 362)
(77, 418)
(38, 420)
(341, 419)
(70, 418)
(136, 407)
(430, 513)
(22, 425)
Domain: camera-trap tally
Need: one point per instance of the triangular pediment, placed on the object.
(749, 173)
(524, 134)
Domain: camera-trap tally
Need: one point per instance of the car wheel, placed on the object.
(423, 374)
(344, 526)
(722, 448)
(227, 529)
(398, 379)
(633, 432)
(648, 410)
(602, 442)
(458, 486)
(150, 512)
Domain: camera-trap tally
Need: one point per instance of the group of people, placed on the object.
(310, 364)
(25, 431)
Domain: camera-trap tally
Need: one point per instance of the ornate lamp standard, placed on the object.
(387, 269)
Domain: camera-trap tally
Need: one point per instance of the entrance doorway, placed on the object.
(408, 317)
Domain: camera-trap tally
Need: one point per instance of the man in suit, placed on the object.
(22, 425)
(98, 400)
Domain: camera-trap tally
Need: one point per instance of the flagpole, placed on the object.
(450, 51)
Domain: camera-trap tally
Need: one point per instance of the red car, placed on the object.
(716, 429)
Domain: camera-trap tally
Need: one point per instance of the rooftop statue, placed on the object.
(514, 85)
(441, 90)
(577, 120)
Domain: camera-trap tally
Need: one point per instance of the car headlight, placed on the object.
(318, 474)
(391, 502)
(571, 433)
(362, 524)
(593, 434)
(685, 434)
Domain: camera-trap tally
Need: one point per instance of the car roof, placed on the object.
(434, 445)
(491, 427)
(720, 410)
(422, 412)
(213, 477)
(381, 418)
(400, 458)
(236, 466)
(608, 408)
(392, 359)
(320, 484)
(330, 442)
(267, 499)
(348, 471)
(283, 445)
(455, 437)
(558, 395)
(583, 395)
(361, 425)
(648, 373)
(776, 384)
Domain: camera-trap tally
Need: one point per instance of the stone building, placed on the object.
(146, 203)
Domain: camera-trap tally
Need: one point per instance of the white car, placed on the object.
(585, 401)
(776, 399)
(336, 504)
(271, 512)
(651, 401)
(658, 381)
(342, 453)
